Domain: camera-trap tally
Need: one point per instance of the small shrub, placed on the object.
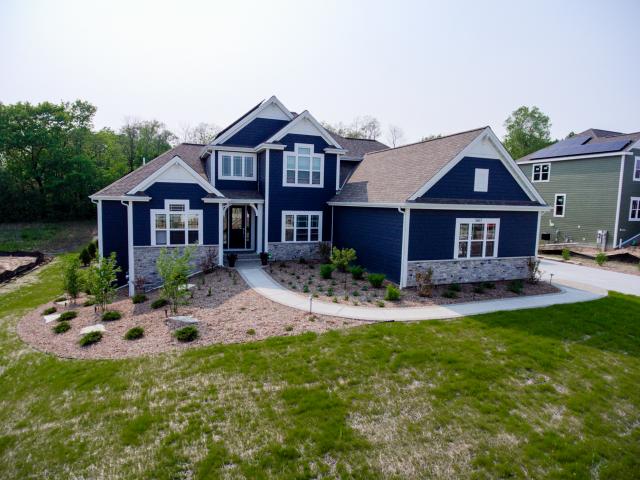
(209, 292)
(601, 258)
(49, 311)
(449, 294)
(89, 302)
(515, 286)
(489, 285)
(288, 328)
(159, 303)
(330, 292)
(376, 279)
(356, 293)
(346, 297)
(335, 300)
(533, 266)
(424, 282)
(341, 258)
(111, 315)
(134, 333)
(139, 298)
(70, 315)
(566, 254)
(393, 294)
(305, 289)
(186, 334)
(455, 287)
(61, 327)
(326, 269)
(324, 248)
(380, 303)
(90, 338)
(478, 289)
(251, 331)
(91, 248)
(85, 257)
(357, 272)
(302, 261)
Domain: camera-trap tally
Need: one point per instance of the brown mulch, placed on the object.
(232, 310)
(295, 275)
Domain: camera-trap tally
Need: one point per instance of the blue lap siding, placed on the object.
(114, 235)
(432, 233)
(234, 184)
(161, 191)
(458, 182)
(375, 234)
(256, 132)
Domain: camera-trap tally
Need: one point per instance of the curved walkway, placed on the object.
(266, 286)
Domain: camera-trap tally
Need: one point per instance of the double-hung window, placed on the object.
(476, 237)
(559, 204)
(634, 209)
(176, 224)
(301, 226)
(541, 172)
(636, 169)
(303, 167)
(236, 166)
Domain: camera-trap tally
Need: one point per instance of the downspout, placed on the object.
(404, 256)
(132, 272)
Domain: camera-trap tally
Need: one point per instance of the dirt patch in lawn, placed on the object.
(305, 278)
(231, 313)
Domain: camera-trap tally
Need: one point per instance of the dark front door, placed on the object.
(237, 227)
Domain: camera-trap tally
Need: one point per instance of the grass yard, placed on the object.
(552, 393)
(46, 237)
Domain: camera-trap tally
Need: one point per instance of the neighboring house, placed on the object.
(592, 181)
(271, 182)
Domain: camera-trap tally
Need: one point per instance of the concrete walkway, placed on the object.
(586, 277)
(262, 283)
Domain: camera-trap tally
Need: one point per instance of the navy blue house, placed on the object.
(278, 182)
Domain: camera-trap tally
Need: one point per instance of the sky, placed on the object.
(427, 67)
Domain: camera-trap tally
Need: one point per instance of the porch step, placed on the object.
(250, 259)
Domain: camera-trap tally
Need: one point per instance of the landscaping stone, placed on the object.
(188, 286)
(180, 321)
(51, 318)
(92, 328)
(64, 303)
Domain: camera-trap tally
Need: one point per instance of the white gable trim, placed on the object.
(300, 118)
(503, 156)
(267, 106)
(175, 161)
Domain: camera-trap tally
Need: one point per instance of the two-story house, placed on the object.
(273, 181)
(592, 181)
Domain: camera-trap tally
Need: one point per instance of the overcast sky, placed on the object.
(428, 67)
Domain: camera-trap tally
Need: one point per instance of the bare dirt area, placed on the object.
(12, 263)
(232, 313)
(305, 278)
(632, 266)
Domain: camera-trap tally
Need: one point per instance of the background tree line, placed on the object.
(52, 158)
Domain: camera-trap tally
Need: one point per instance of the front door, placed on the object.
(238, 227)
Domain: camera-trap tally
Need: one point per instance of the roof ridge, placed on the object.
(429, 140)
(190, 143)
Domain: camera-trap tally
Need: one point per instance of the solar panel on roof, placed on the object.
(561, 150)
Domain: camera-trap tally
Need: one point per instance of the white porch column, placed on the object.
(267, 180)
(259, 246)
(404, 262)
(220, 234)
(132, 270)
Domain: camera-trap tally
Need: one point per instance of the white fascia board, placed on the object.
(446, 206)
(120, 198)
(233, 200)
(576, 157)
(304, 116)
(150, 180)
(219, 148)
(634, 146)
(249, 118)
(272, 146)
(337, 151)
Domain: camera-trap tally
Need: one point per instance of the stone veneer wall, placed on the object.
(293, 251)
(470, 270)
(145, 261)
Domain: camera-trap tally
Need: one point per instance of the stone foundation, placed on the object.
(293, 251)
(145, 261)
(470, 270)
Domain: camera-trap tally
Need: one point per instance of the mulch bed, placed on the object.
(232, 314)
(295, 276)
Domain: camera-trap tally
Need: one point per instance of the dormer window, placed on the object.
(303, 167)
(236, 166)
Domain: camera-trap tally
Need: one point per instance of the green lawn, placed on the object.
(550, 393)
(46, 237)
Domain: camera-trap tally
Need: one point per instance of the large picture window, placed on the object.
(236, 166)
(303, 167)
(541, 172)
(476, 237)
(634, 209)
(176, 224)
(301, 226)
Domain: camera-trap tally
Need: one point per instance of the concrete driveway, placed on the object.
(579, 276)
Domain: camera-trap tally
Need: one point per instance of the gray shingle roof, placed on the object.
(358, 147)
(188, 152)
(393, 175)
(242, 194)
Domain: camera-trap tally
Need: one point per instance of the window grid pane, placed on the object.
(303, 168)
(248, 167)
(226, 166)
(237, 166)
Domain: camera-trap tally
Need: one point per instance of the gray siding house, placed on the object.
(592, 181)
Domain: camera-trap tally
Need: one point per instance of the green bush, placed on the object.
(92, 249)
(61, 327)
(49, 311)
(376, 279)
(70, 315)
(357, 272)
(89, 302)
(393, 293)
(111, 315)
(134, 333)
(601, 258)
(515, 286)
(478, 288)
(566, 254)
(251, 331)
(186, 334)
(326, 269)
(305, 289)
(449, 294)
(380, 303)
(85, 257)
(288, 328)
(489, 285)
(455, 287)
(159, 303)
(90, 338)
(139, 298)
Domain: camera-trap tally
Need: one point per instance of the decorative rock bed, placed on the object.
(226, 316)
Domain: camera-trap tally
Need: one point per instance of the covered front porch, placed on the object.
(240, 226)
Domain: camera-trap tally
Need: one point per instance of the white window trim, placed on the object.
(484, 221)
(165, 210)
(636, 169)
(564, 205)
(311, 155)
(300, 212)
(631, 219)
(533, 168)
(237, 154)
(481, 180)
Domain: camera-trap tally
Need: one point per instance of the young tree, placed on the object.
(102, 277)
(341, 259)
(202, 133)
(71, 278)
(528, 130)
(395, 135)
(173, 267)
(361, 127)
